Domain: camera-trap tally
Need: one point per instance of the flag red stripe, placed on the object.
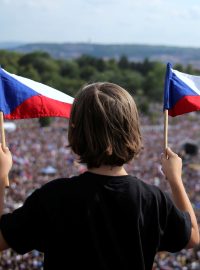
(185, 105)
(40, 106)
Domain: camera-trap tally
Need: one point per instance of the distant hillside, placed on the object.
(10, 45)
(181, 55)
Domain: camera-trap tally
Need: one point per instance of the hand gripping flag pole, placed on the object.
(3, 142)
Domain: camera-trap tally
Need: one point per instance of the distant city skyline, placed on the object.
(151, 22)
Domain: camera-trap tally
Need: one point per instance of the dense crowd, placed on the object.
(42, 154)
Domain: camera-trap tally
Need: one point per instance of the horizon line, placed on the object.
(22, 43)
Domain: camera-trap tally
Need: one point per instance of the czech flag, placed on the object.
(24, 98)
(182, 92)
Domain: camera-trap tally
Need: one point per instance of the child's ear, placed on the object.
(109, 150)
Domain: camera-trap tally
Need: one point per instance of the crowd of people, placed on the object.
(42, 154)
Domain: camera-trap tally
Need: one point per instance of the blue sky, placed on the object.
(162, 22)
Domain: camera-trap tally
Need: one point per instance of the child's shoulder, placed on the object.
(58, 185)
(146, 191)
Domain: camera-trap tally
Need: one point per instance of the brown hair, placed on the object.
(104, 125)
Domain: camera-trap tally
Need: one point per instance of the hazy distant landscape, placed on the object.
(133, 52)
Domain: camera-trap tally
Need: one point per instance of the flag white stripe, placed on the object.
(192, 81)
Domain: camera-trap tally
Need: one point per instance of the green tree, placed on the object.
(189, 69)
(123, 62)
(154, 82)
(29, 58)
(40, 61)
(107, 76)
(86, 60)
(179, 67)
(29, 72)
(9, 60)
(132, 81)
(73, 85)
(87, 72)
(142, 67)
(111, 64)
(100, 65)
(69, 69)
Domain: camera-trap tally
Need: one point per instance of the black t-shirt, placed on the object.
(97, 222)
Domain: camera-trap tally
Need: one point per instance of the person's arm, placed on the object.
(172, 168)
(5, 166)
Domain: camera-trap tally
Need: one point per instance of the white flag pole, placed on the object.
(3, 141)
(165, 130)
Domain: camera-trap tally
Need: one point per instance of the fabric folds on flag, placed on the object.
(24, 98)
(182, 92)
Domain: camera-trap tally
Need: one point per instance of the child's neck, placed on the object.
(108, 170)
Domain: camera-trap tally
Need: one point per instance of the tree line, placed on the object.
(144, 80)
